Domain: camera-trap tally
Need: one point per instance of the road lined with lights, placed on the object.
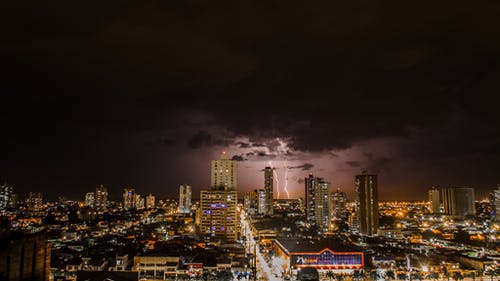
(261, 262)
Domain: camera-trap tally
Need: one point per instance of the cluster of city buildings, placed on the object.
(260, 237)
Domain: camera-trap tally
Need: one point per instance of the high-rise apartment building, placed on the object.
(6, 196)
(90, 199)
(219, 218)
(128, 198)
(224, 173)
(310, 202)
(322, 204)
(218, 214)
(339, 202)
(184, 199)
(150, 201)
(458, 201)
(367, 203)
(269, 192)
(317, 202)
(434, 200)
(101, 198)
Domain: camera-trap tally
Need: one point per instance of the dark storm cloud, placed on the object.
(202, 138)
(89, 79)
(354, 164)
(238, 158)
(261, 153)
(243, 144)
(303, 167)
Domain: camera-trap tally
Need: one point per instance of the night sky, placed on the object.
(146, 93)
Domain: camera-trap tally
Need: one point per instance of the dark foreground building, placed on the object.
(24, 257)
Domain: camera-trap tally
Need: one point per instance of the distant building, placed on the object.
(224, 173)
(269, 192)
(34, 201)
(254, 202)
(24, 257)
(434, 200)
(90, 199)
(367, 203)
(339, 201)
(150, 201)
(184, 199)
(128, 198)
(458, 201)
(101, 198)
(6, 196)
(139, 202)
(219, 218)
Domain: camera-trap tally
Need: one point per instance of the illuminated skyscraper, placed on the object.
(101, 198)
(128, 198)
(322, 204)
(367, 203)
(434, 200)
(317, 193)
(224, 173)
(184, 199)
(90, 199)
(458, 201)
(269, 193)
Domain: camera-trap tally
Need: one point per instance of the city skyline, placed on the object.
(137, 95)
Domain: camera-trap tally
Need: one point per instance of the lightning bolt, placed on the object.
(277, 180)
(286, 181)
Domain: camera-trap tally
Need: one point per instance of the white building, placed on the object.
(184, 199)
(224, 173)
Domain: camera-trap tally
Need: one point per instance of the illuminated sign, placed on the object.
(327, 258)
